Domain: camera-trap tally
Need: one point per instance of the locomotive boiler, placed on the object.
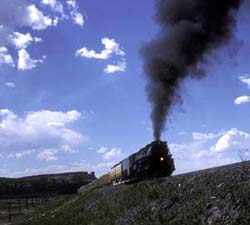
(154, 160)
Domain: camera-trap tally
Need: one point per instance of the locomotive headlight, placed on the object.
(161, 159)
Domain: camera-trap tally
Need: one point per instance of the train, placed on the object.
(152, 161)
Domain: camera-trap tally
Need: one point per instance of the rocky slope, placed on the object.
(215, 196)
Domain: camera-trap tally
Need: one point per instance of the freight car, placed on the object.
(154, 160)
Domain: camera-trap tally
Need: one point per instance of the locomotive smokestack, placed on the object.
(190, 29)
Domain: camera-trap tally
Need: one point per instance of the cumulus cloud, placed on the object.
(245, 79)
(23, 13)
(109, 153)
(233, 138)
(54, 4)
(204, 136)
(10, 84)
(71, 3)
(76, 16)
(45, 132)
(196, 155)
(20, 155)
(210, 150)
(245, 98)
(18, 14)
(102, 150)
(21, 41)
(120, 67)
(37, 20)
(111, 48)
(53, 154)
(5, 57)
(114, 152)
(25, 62)
(242, 100)
(99, 168)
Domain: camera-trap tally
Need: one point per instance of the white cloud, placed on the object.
(32, 14)
(98, 168)
(48, 155)
(5, 57)
(102, 150)
(21, 154)
(197, 155)
(204, 136)
(37, 39)
(53, 154)
(45, 132)
(110, 47)
(25, 62)
(245, 79)
(71, 3)
(54, 4)
(52, 119)
(114, 152)
(109, 153)
(233, 138)
(182, 133)
(21, 41)
(120, 67)
(19, 15)
(76, 16)
(242, 100)
(10, 84)
(37, 20)
(210, 150)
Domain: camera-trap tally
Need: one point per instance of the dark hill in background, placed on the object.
(64, 183)
(214, 196)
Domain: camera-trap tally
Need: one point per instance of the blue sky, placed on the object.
(72, 90)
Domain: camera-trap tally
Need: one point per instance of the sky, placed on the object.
(72, 90)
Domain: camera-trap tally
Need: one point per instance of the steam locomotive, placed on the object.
(154, 160)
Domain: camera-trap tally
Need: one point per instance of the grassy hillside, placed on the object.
(215, 196)
(64, 183)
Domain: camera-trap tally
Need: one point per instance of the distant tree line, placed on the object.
(67, 183)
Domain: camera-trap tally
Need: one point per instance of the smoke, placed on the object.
(190, 29)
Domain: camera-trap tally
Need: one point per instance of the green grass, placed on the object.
(59, 211)
(219, 196)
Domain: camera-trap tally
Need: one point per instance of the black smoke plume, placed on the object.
(190, 29)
